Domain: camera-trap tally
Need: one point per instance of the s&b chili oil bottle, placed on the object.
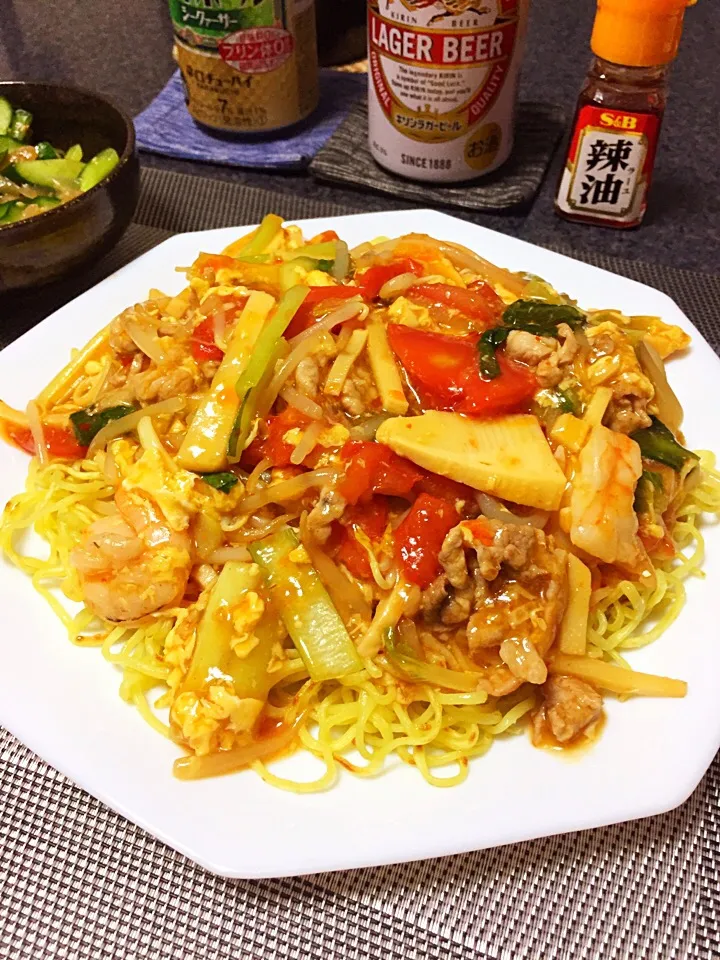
(608, 169)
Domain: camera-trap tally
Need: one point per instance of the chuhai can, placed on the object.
(249, 66)
(443, 82)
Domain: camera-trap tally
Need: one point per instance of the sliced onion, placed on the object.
(385, 246)
(307, 443)
(118, 427)
(398, 285)
(348, 310)
(110, 467)
(228, 761)
(251, 534)
(368, 428)
(205, 575)
(287, 368)
(36, 429)
(342, 260)
(344, 592)
(460, 256)
(257, 472)
(219, 319)
(226, 554)
(494, 510)
(302, 403)
(145, 340)
(11, 415)
(287, 489)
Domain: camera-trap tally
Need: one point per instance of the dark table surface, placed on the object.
(123, 48)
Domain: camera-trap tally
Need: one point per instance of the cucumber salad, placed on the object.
(34, 178)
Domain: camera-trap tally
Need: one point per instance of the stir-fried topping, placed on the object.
(322, 485)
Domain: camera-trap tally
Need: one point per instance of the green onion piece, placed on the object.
(261, 361)
(20, 124)
(325, 265)
(306, 608)
(256, 258)
(540, 318)
(86, 423)
(649, 482)
(657, 443)
(316, 251)
(262, 237)
(568, 400)
(46, 151)
(223, 481)
(488, 343)
(410, 667)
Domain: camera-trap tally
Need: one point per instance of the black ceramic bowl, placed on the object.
(63, 239)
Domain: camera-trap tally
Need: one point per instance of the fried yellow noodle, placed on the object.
(311, 503)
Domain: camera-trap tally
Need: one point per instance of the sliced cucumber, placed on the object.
(46, 173)
(75, 152)
(98, 168)
(14, 213)
(8, 143)
(45, 203)
(6, 112)
(46, 151)
(20, 124)
(4, 208)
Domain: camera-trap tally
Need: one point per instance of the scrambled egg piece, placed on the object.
(179, 644)
(613, 363)
(667, 338)
(216, 720)
(173, 491)
(318, 278)
(246, 616)
(178, 493)
(293, 436)
(335, 436)
(299, 555)
(411, 314)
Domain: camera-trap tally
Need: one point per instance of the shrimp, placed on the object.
(132, 563)
(602, 514)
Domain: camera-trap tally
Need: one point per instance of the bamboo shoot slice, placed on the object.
(385, 370)
(573, 630)
(617, 679)
(507, 456)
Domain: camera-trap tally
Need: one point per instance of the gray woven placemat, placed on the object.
(78, 882)
(346, 159)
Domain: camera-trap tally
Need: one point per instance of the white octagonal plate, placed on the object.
(63, 701)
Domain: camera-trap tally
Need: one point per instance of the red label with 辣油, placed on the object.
(609, 165)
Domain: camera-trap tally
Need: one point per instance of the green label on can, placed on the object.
(202, 23)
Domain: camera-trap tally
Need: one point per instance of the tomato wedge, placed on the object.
(479, 302)
(325, 237)
(374, 468)
(372, 519)
(444, 371)
(374, 278)
(274, 448)
(202, 342)
(318, 302)
(213, 261)
(420, 536)
(60, 441)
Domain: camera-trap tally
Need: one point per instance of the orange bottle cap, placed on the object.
(638, 33)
